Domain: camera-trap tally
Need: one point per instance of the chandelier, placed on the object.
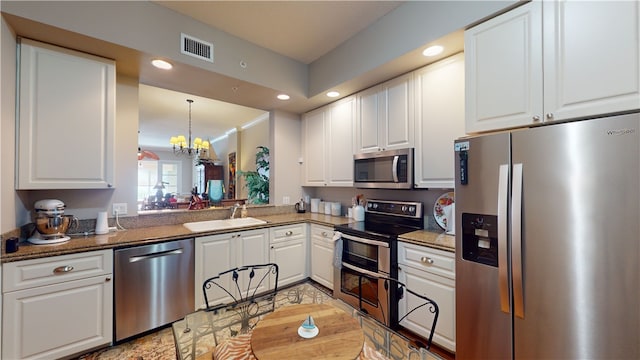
(182, 147)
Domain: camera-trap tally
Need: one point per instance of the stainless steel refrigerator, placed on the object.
(547, 242)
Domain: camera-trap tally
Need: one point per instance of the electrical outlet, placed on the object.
(285, 200)
(120, 208)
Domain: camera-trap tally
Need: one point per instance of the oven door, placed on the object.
(363, 261)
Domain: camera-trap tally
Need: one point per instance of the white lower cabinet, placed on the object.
(217, 253)
(322, 255)
(288, 249)
(430, 272)
(57, 306)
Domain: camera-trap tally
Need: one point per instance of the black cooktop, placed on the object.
(386, 219)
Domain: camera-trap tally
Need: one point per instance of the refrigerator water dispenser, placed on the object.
(480, 238)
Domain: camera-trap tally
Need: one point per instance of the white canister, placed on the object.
(336, 209)
(315, 204)
(321, 207)
(327, 208)
(102, 226)
(358, 213)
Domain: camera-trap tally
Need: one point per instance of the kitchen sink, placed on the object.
(222, 224)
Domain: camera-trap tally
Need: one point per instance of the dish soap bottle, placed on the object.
(243, 212)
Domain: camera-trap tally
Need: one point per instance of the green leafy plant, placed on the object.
(257, 182)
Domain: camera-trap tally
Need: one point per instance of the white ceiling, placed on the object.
(302, 30)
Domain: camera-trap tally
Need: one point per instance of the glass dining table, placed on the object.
(200, 334)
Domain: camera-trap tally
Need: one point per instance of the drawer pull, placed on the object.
(324, 234)
(426, 260)
(62, 269)
(289, 233)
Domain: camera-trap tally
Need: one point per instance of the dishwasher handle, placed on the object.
(155, 255)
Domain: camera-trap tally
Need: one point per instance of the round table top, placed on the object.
(276, 335)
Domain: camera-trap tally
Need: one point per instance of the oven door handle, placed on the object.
(360, 270)
(366, 241)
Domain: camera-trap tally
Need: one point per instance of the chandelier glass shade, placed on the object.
(183, 146)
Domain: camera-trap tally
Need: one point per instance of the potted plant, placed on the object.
(257, 182)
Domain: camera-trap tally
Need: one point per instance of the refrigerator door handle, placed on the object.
(516, 244)
(503, 262)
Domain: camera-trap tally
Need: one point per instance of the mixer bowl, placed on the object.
(51, 227)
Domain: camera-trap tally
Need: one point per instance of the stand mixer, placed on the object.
(51, 223)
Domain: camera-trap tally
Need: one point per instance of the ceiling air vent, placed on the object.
(196, 47)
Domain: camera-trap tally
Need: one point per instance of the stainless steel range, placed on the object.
(369, 251)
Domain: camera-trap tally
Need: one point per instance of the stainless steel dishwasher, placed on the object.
(153, 286)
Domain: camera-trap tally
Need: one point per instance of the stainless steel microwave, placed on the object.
(391, 169)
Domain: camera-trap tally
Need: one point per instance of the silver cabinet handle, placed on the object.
(426, 260)
(536, 118)
(62, 269)
(549, 116)
(288, 233)
(108, 278)
(324, 234)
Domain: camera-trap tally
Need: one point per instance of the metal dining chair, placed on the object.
(419, 303)
(242, 295)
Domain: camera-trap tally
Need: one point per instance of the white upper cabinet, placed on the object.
(589, 52)
(503, 59)
(66, 125)
(591, 58)
(439, 121)
(328, 144)
(385, 116)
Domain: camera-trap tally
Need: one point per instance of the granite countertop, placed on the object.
(438, 240)
(155, 234)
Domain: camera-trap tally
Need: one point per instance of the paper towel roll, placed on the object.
(102, 226)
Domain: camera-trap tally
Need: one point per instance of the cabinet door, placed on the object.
(313, 126)
(370, 107)
(253, 250)
(504, 70)
(291, 259)
(591, 64)
(55, 321)
(66, 127)
(214, 254)
(396, 126)
(322, 255)
(439, 121)
(437, 288)
(340, 143)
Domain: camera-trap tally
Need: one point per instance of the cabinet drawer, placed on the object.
(322, 232)
(288, 232)
(427, 259)
(55, 269)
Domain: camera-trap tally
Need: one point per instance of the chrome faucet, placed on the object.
(233, 210)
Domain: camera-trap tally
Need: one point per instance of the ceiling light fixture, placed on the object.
(432, 50)
(182, 147)
(333, 94)
(161, 64)
(283, 97)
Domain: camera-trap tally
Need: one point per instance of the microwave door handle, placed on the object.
(395, 168)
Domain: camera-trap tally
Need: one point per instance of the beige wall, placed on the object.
(7, 128)
(285, 155)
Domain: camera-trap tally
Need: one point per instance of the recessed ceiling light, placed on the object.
(432, 50)
(333, 94)
(161, 64)
(283, 97)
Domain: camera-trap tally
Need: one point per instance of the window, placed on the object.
(151, 173)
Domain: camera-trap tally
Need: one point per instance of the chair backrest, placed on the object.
(247, 295)
(240, 284)
(416, 303)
